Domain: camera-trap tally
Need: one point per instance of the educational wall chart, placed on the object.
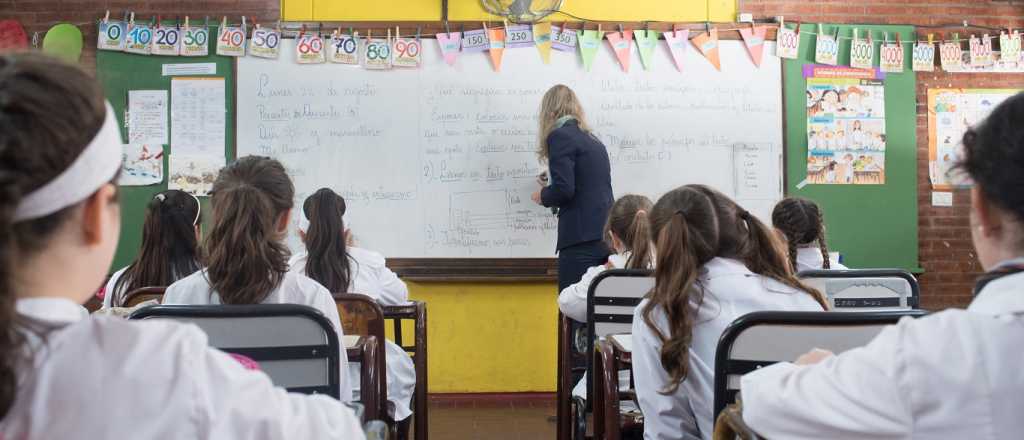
(845, 126)
(950, 113)
(141, 165)
(147, 117)
(441, 161)
(193, 174)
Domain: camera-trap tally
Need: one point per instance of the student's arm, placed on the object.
(668, 417)
(857, 394)
(572, 301)
(562, 163)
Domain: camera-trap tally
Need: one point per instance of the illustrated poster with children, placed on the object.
(950, 113)
(845, 130)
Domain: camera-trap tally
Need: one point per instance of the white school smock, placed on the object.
(572, 301)
(730, 291)
(955, 374)
(107, 378)
(809, 258)
(371, 277)
(108, 290)
(294, 289)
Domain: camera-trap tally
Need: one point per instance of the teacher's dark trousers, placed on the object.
(573, 261)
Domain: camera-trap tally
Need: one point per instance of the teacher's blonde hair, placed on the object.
(558, 101)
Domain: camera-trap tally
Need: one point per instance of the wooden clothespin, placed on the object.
(931, 39)
(106, 18)
(621, 33)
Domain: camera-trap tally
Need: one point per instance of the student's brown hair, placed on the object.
(628, 220)
(800, 220)
(246, 259)
(328, 260)
(49, 112)
(692, 225)
(170, 250)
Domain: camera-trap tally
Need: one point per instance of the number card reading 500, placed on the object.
(377, 54)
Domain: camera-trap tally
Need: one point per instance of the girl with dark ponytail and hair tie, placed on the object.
(715, 262)
(803, 224)
(170, 249)
(954, 374)
(332, 260)
(64, 374)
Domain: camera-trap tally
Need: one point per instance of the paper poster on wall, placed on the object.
(142, 165)
(198, 116)
(845, 126)
(193, 174)
(147, 117)
(950, 113)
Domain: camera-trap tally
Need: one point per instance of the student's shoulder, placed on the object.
(151, 341)
(298, 282)
(366, 257)
(191, 286)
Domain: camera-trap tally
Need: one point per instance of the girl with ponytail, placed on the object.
(170, 249)
(715, 262)
(803, 224)
(246, 260)
(60, 153)
(332, 260)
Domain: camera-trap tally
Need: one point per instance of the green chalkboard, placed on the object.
(871, 225)
(120, 72)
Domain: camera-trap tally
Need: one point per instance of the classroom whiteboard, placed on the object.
(440, 161)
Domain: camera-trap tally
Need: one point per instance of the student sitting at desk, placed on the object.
(801, 221)
(952, 375)
(715, 263)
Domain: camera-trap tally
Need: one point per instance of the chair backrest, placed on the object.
(294, 344)
(141, 295)
(611, 299)
(415, 311)
(760, 339)
(361, 315)
(860, 290)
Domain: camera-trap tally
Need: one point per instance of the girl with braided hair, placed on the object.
(803, 225)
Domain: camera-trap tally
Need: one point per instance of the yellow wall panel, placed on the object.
(722, 10)
(296, 10)
(376, 10)
(603, 10)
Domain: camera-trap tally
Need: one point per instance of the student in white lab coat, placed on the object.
(802, 223)
(64, 375)
(955, 374)
(246, 261)
(715, 263)
(332, 260)
(170, 249)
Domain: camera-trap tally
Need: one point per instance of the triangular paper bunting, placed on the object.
(677, 42)
(753, 38)
(542, 39)
(707, 44)
(450, 44)
(646, 41)
(622, 44)
(497, 37)
(589, 41)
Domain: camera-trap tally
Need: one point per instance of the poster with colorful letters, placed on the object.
(846, 128)
(950, 113)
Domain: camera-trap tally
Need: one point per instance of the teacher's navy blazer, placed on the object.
(581, 184)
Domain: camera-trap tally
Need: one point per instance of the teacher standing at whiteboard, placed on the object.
(580, 183)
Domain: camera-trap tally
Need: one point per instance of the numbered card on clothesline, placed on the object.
(265, 43)
(475, 41)
(787, 43)
(890, 57)
(951, 55)
(1009, 47)
(111, 36)
(407, 52)
(826, 49)
(563, 39)
(231, 41)
(924, 57)
(518, 35)
(139, 39)
(862, 53)
(344, 49)
(377, 54)
(195, 42)
(309, 49)
(166, 41)
(981, 51)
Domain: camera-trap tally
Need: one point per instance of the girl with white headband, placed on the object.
(63, 374)
(170, 249)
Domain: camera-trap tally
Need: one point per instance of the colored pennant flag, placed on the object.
(497, 49)
(589, 42)
(622, 44)
(677, 42)
(542, 39)
(646, 41)
(707, 44)
(753, 38)
(450, 44)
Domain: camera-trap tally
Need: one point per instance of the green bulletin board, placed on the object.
(873, 226)
(120, 72)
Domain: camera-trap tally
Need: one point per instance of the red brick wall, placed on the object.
(945, 246)
(40, 15)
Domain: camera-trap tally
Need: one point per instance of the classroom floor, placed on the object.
(528, 417)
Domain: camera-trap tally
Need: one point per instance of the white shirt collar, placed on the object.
(52, 310)
(1003, 295)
